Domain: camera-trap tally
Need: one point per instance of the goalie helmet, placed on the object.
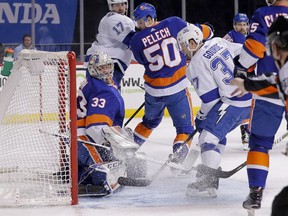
(110, 2)
(101, 66)
(240, 17)
(190, 32)
(270, 2)
(144, 10)
(277, 34)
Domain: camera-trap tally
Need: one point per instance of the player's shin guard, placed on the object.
(99, 186)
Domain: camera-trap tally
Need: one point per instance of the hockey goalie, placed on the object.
(107, 151)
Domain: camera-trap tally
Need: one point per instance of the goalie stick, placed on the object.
(141, 182)
(80, 140)
(200, 168)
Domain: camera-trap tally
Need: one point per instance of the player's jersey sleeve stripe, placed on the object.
(98, 118)
(266, 91)
(210, 96)
(254, 48)
(166, 81)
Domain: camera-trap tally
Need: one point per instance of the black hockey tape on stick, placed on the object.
(140, 182)
(217, 172)
(134, 182)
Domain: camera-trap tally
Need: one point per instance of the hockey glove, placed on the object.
(200, 117)
(242, 72)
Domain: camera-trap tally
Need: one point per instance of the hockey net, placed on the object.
(38, 140)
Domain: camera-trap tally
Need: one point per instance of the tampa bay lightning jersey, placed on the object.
(115, 32)
(235, 37)
(254, 46)
(210, 71)
(98, 104)
(165, 66)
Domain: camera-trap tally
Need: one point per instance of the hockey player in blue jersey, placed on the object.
(277, 47)
(209, 71)
(238, 35)
(165, 76)
(99, 105)
(240, 31)
(114, 34)
(267, 112)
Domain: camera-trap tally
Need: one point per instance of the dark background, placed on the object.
(218, 12)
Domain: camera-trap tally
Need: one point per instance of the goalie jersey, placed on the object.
(254, 46)
(98, 105)
(115, 33)
(210, 72)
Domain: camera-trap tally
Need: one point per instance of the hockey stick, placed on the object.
(134, 114)
(219, 173)
(138, 182)
(80, 140)
(226, 174)
(137, 111)
(280, 138)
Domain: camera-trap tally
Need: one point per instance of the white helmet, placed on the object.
(110, 2)
(101, 66)
(190, 32)
(270, 2)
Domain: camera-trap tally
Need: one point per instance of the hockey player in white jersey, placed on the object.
(209, 71)
(114, 34)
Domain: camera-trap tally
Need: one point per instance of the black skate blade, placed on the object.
(134, 182)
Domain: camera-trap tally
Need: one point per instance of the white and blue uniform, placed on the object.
(210, 72)
(115, 32)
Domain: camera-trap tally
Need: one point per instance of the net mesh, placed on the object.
(35, 164)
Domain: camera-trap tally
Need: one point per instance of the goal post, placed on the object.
(39, 99)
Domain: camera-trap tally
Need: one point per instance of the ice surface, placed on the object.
(166, 195)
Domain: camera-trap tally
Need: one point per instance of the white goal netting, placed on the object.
(35, 111)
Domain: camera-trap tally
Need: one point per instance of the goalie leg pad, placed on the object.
(94, 181)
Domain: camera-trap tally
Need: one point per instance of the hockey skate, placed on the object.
(253, 200)
(205, 186)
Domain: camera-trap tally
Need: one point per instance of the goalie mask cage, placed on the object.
(38, 140)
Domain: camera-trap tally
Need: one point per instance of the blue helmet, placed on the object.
(143, 10)
(240, 17)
